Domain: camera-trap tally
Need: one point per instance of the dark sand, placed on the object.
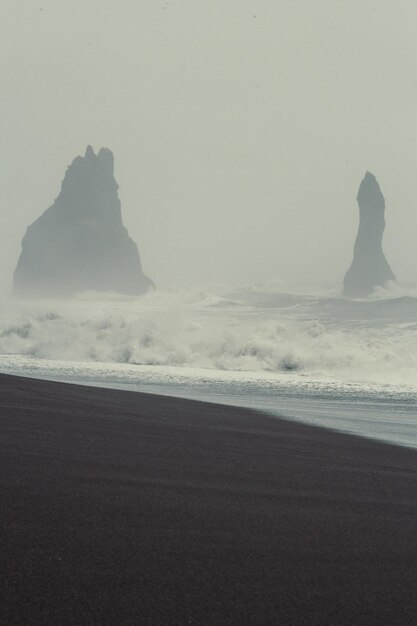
(122, 508)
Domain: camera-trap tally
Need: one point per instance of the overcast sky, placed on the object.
(241, 129)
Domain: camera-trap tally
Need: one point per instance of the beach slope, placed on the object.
(125, 508)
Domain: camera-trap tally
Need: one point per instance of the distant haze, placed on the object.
(240, 129)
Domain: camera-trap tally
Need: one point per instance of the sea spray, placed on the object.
(248, 331)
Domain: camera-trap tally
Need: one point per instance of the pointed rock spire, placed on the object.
(369, 267)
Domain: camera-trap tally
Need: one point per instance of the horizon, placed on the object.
(240, 133)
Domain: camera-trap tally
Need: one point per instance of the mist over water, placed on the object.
(251, 329)
(312, 356)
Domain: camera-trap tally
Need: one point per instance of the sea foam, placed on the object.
(372, 341)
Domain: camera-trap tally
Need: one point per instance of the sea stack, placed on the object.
(80, 242)
(369, 267)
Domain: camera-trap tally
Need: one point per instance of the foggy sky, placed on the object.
(241, 129)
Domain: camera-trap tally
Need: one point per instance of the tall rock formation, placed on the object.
(80, 243)
(369, 267)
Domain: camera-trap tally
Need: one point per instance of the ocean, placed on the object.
(306, 355)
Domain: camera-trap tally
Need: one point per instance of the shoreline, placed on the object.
(373, 413)
(131, 508)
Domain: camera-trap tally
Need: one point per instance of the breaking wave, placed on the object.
(373, 341)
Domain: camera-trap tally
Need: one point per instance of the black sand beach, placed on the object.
(122, 508)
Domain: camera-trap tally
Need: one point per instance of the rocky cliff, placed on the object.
(369, 267)
(80, 242)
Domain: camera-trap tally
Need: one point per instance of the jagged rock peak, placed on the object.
(104, 157)
(80, 242)
(369, 267)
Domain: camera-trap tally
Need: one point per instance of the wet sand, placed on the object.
(126, 508)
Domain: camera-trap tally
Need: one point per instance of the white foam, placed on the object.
(350, 365)
(364, 342)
